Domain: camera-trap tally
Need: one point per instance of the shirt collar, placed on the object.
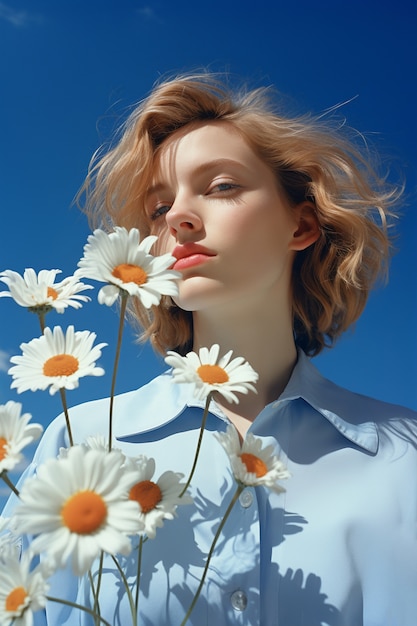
(162, 401)
(350, 413)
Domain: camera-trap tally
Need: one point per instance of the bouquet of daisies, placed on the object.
(91, 500)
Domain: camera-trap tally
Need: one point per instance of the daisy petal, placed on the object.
(108, 295)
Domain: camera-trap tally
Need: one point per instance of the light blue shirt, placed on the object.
(338, 547)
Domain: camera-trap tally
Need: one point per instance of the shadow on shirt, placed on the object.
(298, 601)
(172, 566)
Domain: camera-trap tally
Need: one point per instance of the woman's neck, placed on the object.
(266, 342)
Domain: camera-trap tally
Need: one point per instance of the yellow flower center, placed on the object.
(3, 448)
(147, 493)
(60, 365)
(254, 464)
(16, 599)
(51, 293)
(212, 374)
(129, 273)
(84, 512)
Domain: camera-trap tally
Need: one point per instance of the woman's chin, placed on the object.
(198, 293)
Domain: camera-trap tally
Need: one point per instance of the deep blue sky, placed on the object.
(71, 69)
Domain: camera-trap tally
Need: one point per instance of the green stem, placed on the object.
(79, 606)
(123, 303)
(200, 439)
(67, 419)
(9, 483)
(96, 607)
(41, 315)
(138, 572)
(128, 591)
(96, 590)
(210, 554)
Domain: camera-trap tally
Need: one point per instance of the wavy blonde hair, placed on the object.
(332, 278)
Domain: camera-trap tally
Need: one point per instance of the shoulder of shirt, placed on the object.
(161, 401)
(146, 408)
(358, 417)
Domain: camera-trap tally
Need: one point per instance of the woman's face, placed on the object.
(219, 211)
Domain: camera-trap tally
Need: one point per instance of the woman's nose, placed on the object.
(183, 219)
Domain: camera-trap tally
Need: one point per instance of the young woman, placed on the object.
(279, 230)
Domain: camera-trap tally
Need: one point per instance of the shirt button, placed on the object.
(246, 498)
(239, 600)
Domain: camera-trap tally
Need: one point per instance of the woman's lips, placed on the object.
(191, 261)
(190, 255)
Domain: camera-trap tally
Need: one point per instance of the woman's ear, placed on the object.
(308, 227)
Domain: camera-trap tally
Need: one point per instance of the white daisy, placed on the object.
(117, 258)
(77, 506)
(157, 500)
(22, 591)
(56, 360)
(252, 465)
(40, 291)
(15, 434)
(209, 373)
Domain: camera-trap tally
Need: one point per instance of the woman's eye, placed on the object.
(159, 211)
(223, 187)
